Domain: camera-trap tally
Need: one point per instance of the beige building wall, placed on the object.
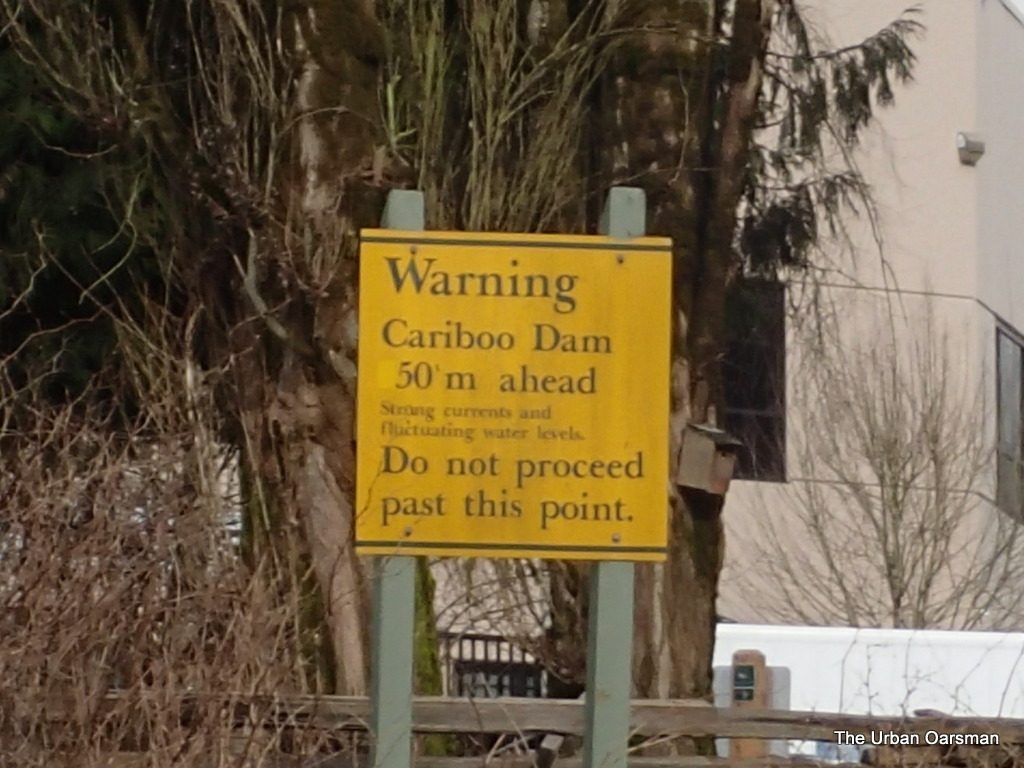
(1000, 174)
(938, 266)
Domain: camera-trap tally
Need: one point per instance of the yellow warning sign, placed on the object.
(513, 395)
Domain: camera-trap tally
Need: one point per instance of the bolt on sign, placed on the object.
(513, 395)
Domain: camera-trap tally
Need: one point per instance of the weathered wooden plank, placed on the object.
(661, 717)
(649, 718)
(527, 715)
(141, 759)
(668, 761)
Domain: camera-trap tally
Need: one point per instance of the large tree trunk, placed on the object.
(677, 125)
(674, 112)
(302, 424)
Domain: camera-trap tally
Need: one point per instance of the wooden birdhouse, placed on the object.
(707, 459)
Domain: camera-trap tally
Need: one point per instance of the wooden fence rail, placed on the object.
(671, 761)
(649, 718)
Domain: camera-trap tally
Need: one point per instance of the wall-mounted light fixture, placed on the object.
(970, 147)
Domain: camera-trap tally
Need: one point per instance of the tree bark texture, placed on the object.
(303, 423)
(678, 104)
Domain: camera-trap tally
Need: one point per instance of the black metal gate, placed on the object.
(486, 666)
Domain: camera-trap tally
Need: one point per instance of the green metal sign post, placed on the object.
(394, 589)
(610, 634)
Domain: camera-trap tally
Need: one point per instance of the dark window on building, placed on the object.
(1010, 423)
(754, 377)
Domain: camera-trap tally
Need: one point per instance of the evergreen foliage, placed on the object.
(68, 265)
(816, 104)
